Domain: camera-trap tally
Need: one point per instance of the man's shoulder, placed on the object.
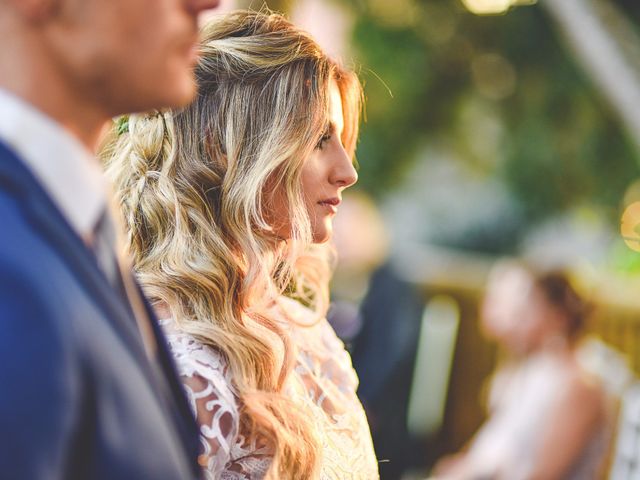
(29, 286)
(21, 244)
(32, 271)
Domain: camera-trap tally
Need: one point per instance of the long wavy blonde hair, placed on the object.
(194, 186)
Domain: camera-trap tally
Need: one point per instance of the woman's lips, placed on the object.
(331, 204)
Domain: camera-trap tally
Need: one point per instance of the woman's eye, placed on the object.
(323, 140)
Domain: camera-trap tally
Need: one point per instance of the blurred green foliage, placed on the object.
(502, 92)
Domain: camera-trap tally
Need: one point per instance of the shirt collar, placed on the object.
(67, 170)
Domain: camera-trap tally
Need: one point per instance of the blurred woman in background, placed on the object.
(226, 203)
(548, 418)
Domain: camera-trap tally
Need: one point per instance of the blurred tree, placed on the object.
(435, 72)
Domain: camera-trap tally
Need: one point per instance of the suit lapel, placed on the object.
(139, 303)
(190, 430)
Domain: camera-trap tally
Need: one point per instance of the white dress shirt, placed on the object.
(67, 170)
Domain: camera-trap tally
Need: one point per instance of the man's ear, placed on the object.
(35, 10)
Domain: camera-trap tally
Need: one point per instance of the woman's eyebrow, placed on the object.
(331, 127)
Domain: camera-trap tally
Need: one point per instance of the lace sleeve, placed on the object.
(218, 421)
(204, 376)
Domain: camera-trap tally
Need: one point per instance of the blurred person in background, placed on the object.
(228, 203)
(548, 418)
(377, 313)
(88, 386)
(361, 242)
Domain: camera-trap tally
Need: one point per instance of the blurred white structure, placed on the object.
(432, 370)
(608, 48)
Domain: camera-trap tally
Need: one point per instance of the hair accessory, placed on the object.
(122, 125)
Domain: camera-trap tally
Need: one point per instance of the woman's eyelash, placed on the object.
(324, 139)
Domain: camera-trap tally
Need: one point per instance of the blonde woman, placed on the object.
(227, 203)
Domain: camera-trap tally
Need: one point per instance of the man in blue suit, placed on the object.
(87, 388)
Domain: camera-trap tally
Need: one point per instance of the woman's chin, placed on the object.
(322, 235)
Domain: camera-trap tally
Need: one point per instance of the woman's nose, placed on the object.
(344, 173)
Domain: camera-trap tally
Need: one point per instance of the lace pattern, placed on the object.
(323, 381)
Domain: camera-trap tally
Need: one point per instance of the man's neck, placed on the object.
(84, 124)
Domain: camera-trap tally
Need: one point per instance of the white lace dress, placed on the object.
(323, 382)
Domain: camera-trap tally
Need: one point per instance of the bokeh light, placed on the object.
(630, 226)
(493, 7)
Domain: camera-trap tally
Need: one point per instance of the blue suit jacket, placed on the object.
(78, 397)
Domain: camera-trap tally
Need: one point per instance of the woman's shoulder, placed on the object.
(311, 328)
(320, 352)
(195, 359)
(585, 386)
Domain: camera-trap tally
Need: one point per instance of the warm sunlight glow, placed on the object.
(630, 226)
(493, 7)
